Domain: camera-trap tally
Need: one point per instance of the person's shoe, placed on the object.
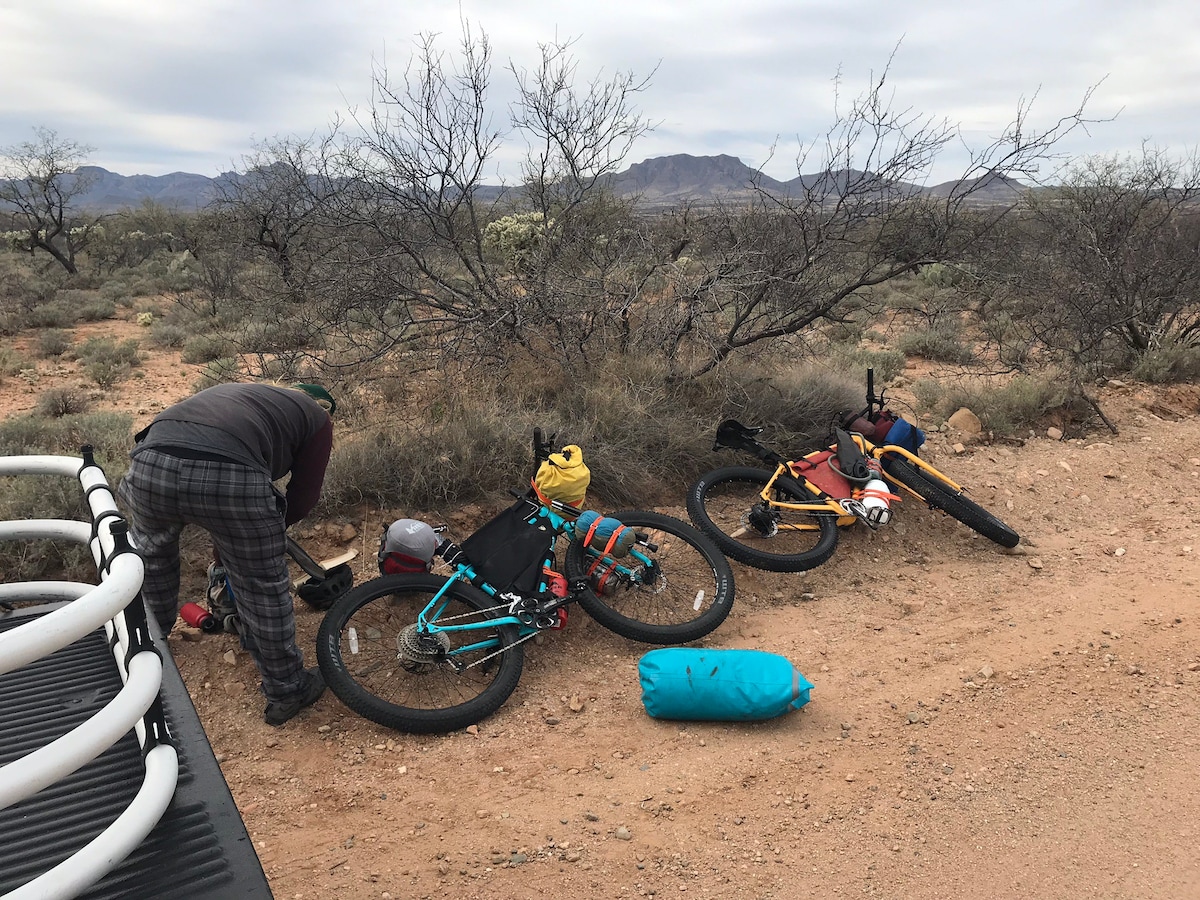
(279, 711)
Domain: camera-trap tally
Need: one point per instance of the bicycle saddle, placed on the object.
(732, 433)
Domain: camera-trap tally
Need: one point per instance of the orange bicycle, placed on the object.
(787, 519)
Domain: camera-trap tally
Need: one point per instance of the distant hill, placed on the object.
(179, 190)
(661, 181)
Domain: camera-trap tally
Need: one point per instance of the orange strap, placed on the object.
(612, 541)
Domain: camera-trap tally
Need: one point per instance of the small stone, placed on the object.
(576, 703)
(472, 729)
(1055, 434)
(324, 729)
(986, 672)
(958, 448)
(1120, 551)
(1035, 562)
(1066, 467)
(623, 834)
(230, 658)
(552, 720)
(348, 533)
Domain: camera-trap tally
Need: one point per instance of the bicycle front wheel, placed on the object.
(727, 505)
(681, 594)
(940, 495)
(382, 664)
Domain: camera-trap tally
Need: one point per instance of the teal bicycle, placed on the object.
(428, 653)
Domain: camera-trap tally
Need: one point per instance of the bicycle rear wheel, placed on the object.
(381, 664)
(940, 495)
(728, 507)
(684, 593)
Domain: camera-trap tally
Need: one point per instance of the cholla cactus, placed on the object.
(516, 238)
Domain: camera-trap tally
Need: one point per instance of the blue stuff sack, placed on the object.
(905, 434)
(720, 685)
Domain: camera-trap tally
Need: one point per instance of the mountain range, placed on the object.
(661, 181)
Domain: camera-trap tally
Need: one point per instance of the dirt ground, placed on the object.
(984, 723)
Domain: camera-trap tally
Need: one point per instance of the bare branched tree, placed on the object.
(790, 261)
(39, 186)
(1106, 267)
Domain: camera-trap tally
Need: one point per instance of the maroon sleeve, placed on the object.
(308, 474)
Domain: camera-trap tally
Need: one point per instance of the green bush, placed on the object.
(56, 313)
(54, 342)
(107, 432)
(62, 401)
(97, 310)
(12, 362)
(1002, 408)
(1168, 364)
(206, 348)
(106, 361)
(942, 342)
(645, 437)
(168, 335)
(218, 371)
(854, 361)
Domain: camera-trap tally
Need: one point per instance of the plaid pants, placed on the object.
(244, 513)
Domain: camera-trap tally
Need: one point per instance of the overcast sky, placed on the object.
(160, 86)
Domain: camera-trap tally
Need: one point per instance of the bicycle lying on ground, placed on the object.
(430, 653)
(787, 519)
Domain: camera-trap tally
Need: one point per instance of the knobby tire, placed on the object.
(718, 502)
(419, 692)
(940, 495)
(690, 594)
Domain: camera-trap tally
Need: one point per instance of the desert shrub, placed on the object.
(168, 335)
(53, 342)
(1002, 408)
(44, 497)
(942, 342)
(645, 438)
(218, 371)
(939, 275)
(62, 401)
(107, 432)
(56, 313)
(12, 362)
(854, 361)
(205, 348)
(1169, 363)
(106, 361)
(96, 310)
(117, 293)
(274, 336)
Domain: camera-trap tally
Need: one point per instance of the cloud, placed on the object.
(157, 87)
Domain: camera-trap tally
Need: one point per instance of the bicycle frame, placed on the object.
(530, 620)
(834, 506)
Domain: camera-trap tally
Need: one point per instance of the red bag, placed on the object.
(816, 469)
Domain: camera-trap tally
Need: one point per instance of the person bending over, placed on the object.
(211, 460)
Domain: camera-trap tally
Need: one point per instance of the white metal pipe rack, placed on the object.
(115, 605)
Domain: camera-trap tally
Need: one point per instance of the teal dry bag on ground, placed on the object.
(720, 685)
